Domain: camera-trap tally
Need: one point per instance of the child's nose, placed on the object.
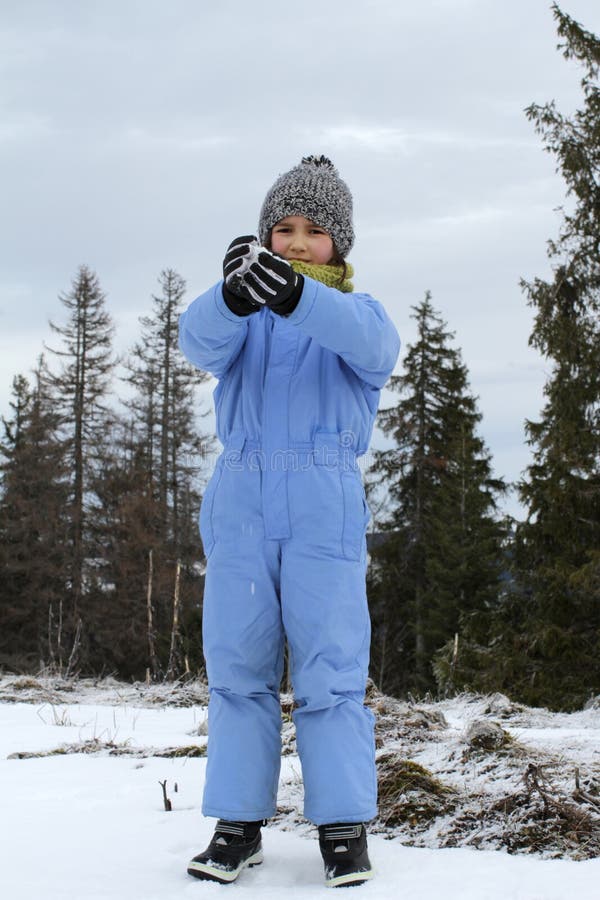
(298, 241)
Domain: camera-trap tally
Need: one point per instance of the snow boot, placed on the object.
(234, 846)
(344, 851)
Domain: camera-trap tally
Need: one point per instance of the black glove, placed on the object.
(255, 277)
(271, 280)
(237, 257)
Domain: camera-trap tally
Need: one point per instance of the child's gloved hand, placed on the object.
(239, 255)
(271, 280)
(255, 277)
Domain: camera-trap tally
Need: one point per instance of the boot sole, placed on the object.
(350, 879)
(211, 873)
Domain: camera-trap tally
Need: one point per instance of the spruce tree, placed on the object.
(163, 413)
(540, 642)
(80, 393)
(558, 545)
(32, 531)
(124, 529)
(442, 556)
(149, 489)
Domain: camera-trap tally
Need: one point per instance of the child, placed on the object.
(300, 361)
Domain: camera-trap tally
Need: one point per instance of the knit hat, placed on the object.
(315, 190)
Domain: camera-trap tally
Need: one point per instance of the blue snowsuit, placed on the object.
(283, 523)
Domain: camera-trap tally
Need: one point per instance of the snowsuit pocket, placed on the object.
(206, 511)
(334, 456)
(356, 515)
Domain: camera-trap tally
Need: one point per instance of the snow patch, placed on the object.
(74, 806)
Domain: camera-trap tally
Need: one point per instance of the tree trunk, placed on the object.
(154, 663)
(174, 666)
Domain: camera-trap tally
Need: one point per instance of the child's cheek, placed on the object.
(322, 251)
(278, 244)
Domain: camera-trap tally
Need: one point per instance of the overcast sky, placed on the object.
(142, 134)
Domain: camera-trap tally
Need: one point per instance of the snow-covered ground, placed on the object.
(93, 824)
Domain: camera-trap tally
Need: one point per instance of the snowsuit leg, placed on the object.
(326, 619)
(243, 648)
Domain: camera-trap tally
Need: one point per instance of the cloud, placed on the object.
(384, 138)
(26, 128)
(136, 139)
(426, 226)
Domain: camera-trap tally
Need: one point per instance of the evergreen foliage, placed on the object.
(98, 508)
(443, 554)
(559, 543)
(33, 529)
(80, 394)
(542, 642)
(150, 493)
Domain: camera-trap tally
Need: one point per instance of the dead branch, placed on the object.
(166, 801)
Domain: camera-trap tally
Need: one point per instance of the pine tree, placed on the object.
(149, 492)
(558, 546)
(119, 532)
(80, 391)
(541, 641)
(163, 414)
(442, 557)
(32, 531)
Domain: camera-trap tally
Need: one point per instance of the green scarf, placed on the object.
(329, 275)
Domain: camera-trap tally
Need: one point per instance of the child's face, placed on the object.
(296, 237)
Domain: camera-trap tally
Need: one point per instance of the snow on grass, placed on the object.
(94, 826)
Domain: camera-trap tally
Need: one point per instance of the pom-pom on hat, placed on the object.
(315, 190)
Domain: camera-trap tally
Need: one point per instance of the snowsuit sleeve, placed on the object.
(355, 326)
(210, 335)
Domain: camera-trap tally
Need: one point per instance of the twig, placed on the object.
(166, 801)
